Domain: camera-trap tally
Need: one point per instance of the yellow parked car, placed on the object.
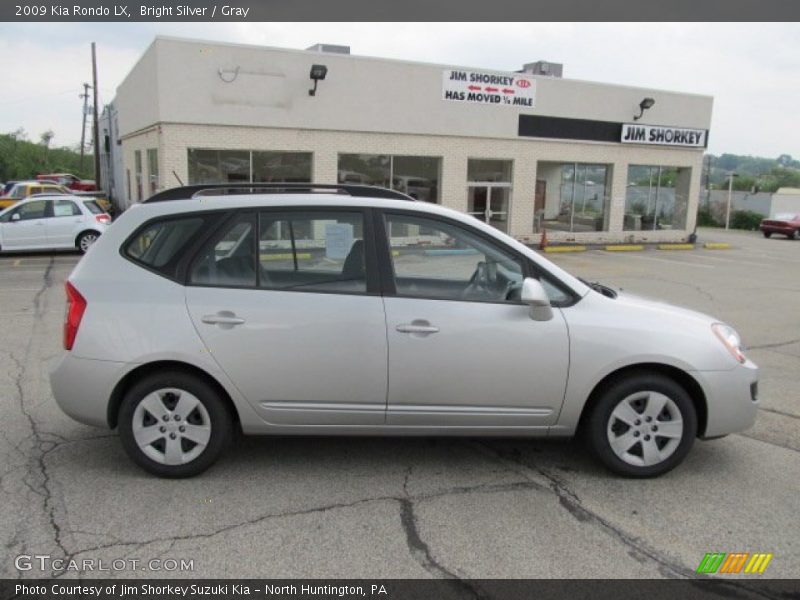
(24, 189)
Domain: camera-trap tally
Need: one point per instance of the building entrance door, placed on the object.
(489, 203)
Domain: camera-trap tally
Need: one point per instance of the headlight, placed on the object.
(730, 339)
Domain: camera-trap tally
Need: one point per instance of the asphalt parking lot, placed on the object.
(381, 508)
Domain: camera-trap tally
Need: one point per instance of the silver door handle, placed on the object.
(412, 328)
(222, 320)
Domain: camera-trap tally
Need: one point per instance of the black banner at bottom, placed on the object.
(398, 589)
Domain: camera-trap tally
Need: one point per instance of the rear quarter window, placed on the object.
(93, 207)
(160, 245)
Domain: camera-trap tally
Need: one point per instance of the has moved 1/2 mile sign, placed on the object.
(478, 87)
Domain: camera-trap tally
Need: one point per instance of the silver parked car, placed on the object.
(52, 222)
(349, 310)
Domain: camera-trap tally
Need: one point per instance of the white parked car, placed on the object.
(351, 310)
(52, 222)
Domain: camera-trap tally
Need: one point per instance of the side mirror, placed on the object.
(15, 217)
(533, 294)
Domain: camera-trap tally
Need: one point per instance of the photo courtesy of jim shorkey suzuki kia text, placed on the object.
(127, 11)
(124, 590)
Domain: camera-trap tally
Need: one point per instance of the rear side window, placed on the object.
(160, 244)
(93, 207)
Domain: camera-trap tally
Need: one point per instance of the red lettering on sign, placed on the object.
(490, 89)
(508, 91)
(474, 88)
(523, 83)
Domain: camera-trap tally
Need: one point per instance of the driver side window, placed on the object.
(434, 259)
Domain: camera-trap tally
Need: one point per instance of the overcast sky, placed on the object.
(752, 70)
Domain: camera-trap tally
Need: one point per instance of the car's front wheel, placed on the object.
(767, 234)
(642, 425)
(174, 424)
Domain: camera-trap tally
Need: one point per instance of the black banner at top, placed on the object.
(392, 10)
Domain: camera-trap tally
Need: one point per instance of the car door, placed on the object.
(29, 230)
(62, 226)
(288, 305)
(463, 350)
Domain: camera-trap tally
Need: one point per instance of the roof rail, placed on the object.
(190, 191)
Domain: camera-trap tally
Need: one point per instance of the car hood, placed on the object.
(661, 310)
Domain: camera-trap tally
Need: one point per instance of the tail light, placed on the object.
(76, 305)
(103, 218)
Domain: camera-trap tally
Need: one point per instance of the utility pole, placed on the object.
(731, 175)
(95, 123)
(85, 96)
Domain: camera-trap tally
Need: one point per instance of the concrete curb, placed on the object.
(624, 247)
(565, 249)
(675, 247)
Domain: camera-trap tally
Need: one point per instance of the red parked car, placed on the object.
(71, 181)
(787, 224)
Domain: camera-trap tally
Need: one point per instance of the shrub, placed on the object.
(706, 219)
(745, 219)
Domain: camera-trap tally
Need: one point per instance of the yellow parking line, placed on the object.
(717, 246)
(300, 256)
(565, 248)
(16, 262)
(675, 246)
(624, 247)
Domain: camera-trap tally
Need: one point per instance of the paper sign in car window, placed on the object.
(62, 209)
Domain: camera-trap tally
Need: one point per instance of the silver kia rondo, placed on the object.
(347, 310)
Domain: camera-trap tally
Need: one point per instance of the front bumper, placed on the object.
(731, 399)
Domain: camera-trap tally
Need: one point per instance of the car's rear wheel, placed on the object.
(767, 234)
(795, 234)
(174, 424)
(642, 425)
(86, 239)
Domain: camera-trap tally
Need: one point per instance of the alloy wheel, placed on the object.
(171, 426)
(645, 428)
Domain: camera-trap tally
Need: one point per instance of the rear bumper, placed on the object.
(82, 387)
(731, 399)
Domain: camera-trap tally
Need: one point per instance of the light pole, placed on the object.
(731, 175)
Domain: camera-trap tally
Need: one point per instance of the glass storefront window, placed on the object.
(656, 197)
(365, 169)
(572, 197)
(417, 176)
(218, 166)
(282, 167)
(152, 169)
(227, 166)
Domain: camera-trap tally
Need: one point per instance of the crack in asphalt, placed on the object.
(762, 440)
(774, 345)
(37, 478)
(572, 503)
(779, 412)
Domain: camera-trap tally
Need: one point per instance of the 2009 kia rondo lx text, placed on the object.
(312, 309)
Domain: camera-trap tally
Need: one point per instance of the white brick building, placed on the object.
(554, 158)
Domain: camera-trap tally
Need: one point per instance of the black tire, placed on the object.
(767, 234)
(795, 235)
(85, 240)
(598, 423)
(216, 413)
